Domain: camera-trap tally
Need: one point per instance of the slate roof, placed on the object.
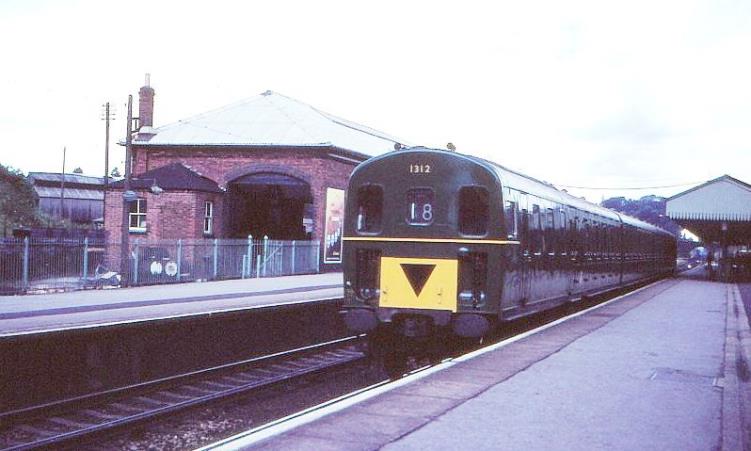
(81, 187)
(173, 177)
(271, 119)
(48, 192)
(47, 178)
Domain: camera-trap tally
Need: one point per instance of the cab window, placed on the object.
(473, 210)
(511, 220)
(369, 208)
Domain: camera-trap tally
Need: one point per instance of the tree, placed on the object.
(78, 170)
(648, 208)
(115, 173)
(18, 201)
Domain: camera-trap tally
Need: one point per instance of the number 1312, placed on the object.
(419, 169)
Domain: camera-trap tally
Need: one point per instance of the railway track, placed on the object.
(77, 420)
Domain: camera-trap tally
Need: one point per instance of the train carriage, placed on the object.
(439, 241)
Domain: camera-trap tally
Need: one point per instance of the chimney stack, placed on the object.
(146, 104)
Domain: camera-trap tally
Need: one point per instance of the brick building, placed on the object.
(266, 166)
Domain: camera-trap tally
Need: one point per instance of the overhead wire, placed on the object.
(625, 188)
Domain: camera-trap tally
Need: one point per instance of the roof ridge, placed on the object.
(338, 120)
(269, 93)
(356, 126)
(188, 167)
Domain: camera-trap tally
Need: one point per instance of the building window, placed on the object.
(208, 218)
(137, 216)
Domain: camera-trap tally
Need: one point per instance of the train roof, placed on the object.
(530, 185)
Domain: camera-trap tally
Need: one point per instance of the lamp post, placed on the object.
(128, 197)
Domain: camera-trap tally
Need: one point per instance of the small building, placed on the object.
(269, 166)
(82, 196)
(718, 212)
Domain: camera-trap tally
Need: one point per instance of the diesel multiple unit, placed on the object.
(439, 241)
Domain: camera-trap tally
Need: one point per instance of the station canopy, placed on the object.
(718, 211)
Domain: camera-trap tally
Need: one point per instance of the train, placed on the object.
(439, 243)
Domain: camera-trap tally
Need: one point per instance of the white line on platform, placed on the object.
(311, 414)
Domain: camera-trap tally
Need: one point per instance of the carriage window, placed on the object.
(369, 208)
(525, 235)
(420, 202)
(536, 234)
(473, 210)
(550, 219)
(550, 237)
(511, 226)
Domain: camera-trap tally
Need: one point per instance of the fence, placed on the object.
(43, 263)
(166, 261)
(39, 264)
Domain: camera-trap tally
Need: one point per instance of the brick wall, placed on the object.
(223, 164)
(169, 215)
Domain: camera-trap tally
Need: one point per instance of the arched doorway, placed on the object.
(269, 204)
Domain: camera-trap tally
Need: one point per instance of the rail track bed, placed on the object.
(80, 421)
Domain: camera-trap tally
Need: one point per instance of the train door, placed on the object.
(576, 253)
(527, 251)
(516, 284)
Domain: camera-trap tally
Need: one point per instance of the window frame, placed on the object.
(377, 225)
(141, 209)
(208, 217)
(511, 220)
(459, 205)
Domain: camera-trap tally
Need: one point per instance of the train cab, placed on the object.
(422, 229)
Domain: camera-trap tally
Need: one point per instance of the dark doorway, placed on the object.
(269, 204)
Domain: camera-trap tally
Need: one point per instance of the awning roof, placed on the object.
(717, 211)
(722, 199)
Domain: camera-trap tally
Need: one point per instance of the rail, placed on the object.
(75, 420)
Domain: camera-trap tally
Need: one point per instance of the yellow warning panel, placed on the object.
(420, 283)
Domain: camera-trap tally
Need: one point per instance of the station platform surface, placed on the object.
(33, 314)
(658, 369)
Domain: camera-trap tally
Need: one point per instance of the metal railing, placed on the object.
(34, 264)
(30, 264)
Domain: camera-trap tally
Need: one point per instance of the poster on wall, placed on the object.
(334, 223)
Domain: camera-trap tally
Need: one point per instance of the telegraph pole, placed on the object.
(106, 145)
(128, 197)
(107, 117)
(62, 189)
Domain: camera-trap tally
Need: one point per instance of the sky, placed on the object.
(597, 97)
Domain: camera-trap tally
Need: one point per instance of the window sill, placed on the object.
(137, 231)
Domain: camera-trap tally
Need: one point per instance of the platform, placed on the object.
(33, 314)
(659, 369)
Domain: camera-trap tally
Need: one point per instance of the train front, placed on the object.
(423, 235)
